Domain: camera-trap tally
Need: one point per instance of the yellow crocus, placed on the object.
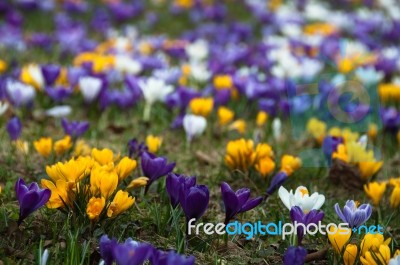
(372, 131)
(318, 28)
(341, 153)
(239, 125)
(103, 179)
(32, 75)
(185, 4)
(94, 207)
(381, 256)
(265, 166)
(138, 182)
(22, 146)
(3, 66)
(121, 202)
(63, 145)
(81, 148)
(60, 193)
(71, 171)
(346, 65)
(289, 164)
(239, 154)
(104, 156)
(153, 143)
(369, 168)
(44, 146)
(335, 132)
(262, 118)
(372, 242)
(125, 167)
(317, 129)
(350, 254)
(395, 197)
(375, 191)
(201, 106)
(225, 116)
(223, 82)
(263, 150)
(338, 237)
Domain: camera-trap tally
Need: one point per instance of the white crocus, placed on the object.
(20, 93)
(90, 87)
(153, 90)
(127, 65)
(36, 74)
(276, 128)
(44, 257)
(368, 75)
(59, 111)
(395, 261)
(363, 141)
(197, 51)
(194, 125)
(301, 198)
(3, 107)
(199, 72)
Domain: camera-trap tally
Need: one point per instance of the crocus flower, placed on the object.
(44, 146)
(74, 128)
(395, 260)
(329, 146)
(19, 93)
(90, 87)
(312, 217)
(170, 258)
(154, 167)
(193, 125)
(301, 198)
(375, 191)
(295, 256)
(50, 73)
(121, 202)
(350, 254)
(276, 128)
(107, 246)
(194, 201)
(14, 128)
(353, 215)
(153, 143)
(3, 107)
(59, 111)
(136, 149)
(277, 182)
(30, 198)
(338, 237)
(237, 202)
(176, 184)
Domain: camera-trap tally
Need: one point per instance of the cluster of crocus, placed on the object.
(133, 252)
(98, 180)
(375, 191)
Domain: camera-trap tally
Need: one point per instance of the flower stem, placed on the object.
(146, 112)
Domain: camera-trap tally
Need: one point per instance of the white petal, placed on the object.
(285, 197)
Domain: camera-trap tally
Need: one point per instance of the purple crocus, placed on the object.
(155, 167)
(276, 182)
(295, 256)
(107, 246)
(329, 146)
(14, 128)
(30, 198)
(50, 73)
(175, 185)
(194, 201)
(297, 215)
(353, 215)
(74, 128)
(237, 202)
(136, 149)
(170, 258)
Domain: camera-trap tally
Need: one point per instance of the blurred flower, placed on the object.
(14, 128)
(193, 125)
(265, 166)
(223, 82)
(338, 237)
(395, 197)
(312, 217)
(353, 214)
(301, 198)
(32, 75)
(74, 129)
(138, 182)
(59, 111)
(375, 257)
(350, 254)
(276, 128)
(198, 50)
(317, 129)
(94, 207)
(3, 107)
(375, 191)
(50, 73)
(276, 182)
(194, 201)
(239, 154)
(155, 167)
(125, 167)
(22, 146)
(201, 106)
(238, 125)
(104, 156)
(262, 118)
(121, 202)
(295, 256)
(30, 198)
(290, 164)
(372, 131)
(136, 149)
(44, 146)
(81, 149)
(330, 145)
(90, 87)
(225, 115)
(3, 66)
(372, 242)
(63, 145)
(368, 75)
(153, 143)
(237, 202)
